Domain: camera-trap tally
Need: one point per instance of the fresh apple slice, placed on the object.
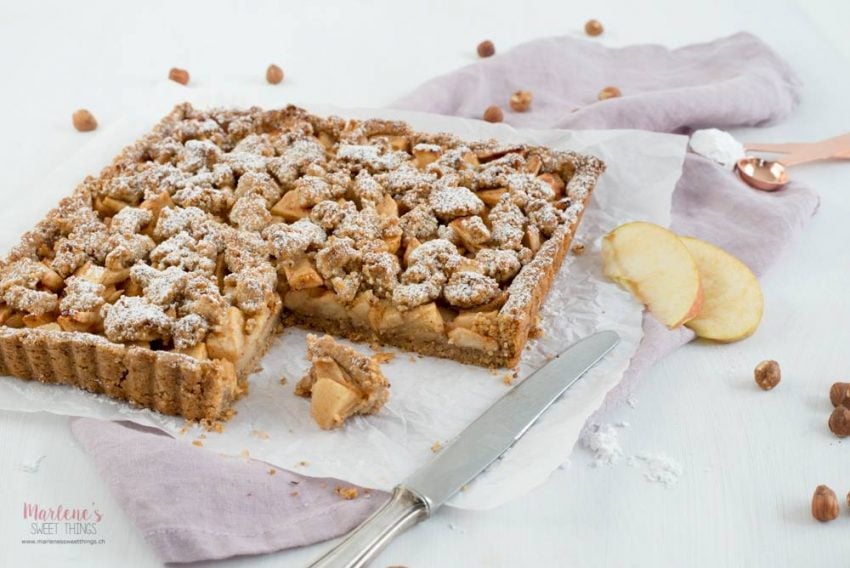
(732, 300)
(656, 267)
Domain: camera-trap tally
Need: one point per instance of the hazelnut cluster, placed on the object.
(520, 101)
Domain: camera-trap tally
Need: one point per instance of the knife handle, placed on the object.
(404, 509)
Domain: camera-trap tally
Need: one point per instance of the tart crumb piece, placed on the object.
(536, 331)
(347, 493)
(295, 494)
(341, 382)
(436, 446)
(283, 380)
(383, 356)
(260, 434)
(509, 378)
(272, 471)
(198, 443)
(245, 454)
(215, 425)
(578, 249)
(609, 93)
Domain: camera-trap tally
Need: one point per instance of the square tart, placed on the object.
(163, 280)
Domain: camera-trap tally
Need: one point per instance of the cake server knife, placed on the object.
(479, 445)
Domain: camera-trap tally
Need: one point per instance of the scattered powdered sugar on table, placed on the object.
(601, 439)
(31, 466)
(603, 442)
(659, 468)
(717, 145)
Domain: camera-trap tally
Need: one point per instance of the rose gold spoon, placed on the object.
(770, 175)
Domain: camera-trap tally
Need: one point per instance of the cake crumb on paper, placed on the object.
(283, 380)
(347, 493)
(659, 468)
(260, 434)
(436, 446)
(245, 454)
(198, 443)
(383, 356)
(272, 471)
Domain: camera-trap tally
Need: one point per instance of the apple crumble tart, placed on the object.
(341, 382)
(163, 280)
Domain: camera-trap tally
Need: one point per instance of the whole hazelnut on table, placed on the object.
(839, 394)
(83, 120)
(178, 75)
(274, 74)
(593, 28)
(609, 93)
(767, 374)
(824, 504)
(486, 48)
(521, 101)
(493, 114)
(839, 422)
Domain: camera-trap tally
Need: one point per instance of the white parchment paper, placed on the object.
(432, 400)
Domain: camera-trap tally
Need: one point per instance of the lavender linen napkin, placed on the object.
(238, 508)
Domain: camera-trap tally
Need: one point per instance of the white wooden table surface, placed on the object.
(751, 459)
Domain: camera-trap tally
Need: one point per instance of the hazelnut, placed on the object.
(274, 74)
(493, 114)
(824, 504)
(486, 48)
(179, 75)
(839, 422)
(609, 93)
(593, 28)
(767, 374)
(839, 394)
(521, 100)
(83, 120)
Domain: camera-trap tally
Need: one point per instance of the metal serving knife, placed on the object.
(479, 445)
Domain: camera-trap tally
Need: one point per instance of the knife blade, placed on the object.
(474, 449)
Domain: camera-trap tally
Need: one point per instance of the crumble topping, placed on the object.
(210, 212)
(81, 295)
(135, 319)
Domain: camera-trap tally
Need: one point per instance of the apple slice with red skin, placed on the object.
(732, 299)
(656, 267)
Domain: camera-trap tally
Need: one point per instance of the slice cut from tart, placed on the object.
(341, 382)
